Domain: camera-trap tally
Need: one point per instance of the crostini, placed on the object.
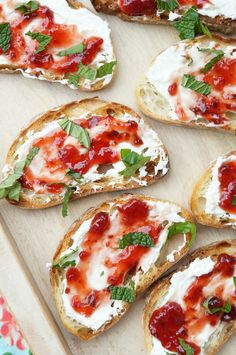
(59, 41)
(193, 311)
(217, 15)
(192, 83)
(213, 200)
(81, 148)
(113, 253)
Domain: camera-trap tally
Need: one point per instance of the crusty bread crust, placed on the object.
(57, 275)
(198, 201)
(78, 108)
(111, 7)
(161, 288)
(157, 106)
(98, 85)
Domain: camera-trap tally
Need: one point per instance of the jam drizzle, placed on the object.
(171, 322)
(59, 153)
(227, 179)
(119, 264)
(62, 36)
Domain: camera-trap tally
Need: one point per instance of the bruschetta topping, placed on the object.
(211, 8)
(220, 195)
(200, 84)
(188, 317)
(36, 38)
(60, 151)
(108, 255)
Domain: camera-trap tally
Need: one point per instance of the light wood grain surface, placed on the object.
(37, 233)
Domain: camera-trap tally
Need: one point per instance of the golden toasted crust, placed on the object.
(154, 105)
(111, 7)
(161, 288)
(57, 275)
(77, 108)
(198, 201)
(98, 85)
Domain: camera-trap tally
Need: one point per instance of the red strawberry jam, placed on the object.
(120, 265)
(227, 178)
(138, 7)
(171, 322)
(58, 155)
(62, 37)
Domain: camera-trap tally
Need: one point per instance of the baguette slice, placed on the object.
(111, 127)
(158, 298)
(222, 18)
(205, 199)
(161, 95)
(69, 24)
(142, 271)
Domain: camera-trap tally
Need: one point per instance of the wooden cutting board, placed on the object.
(37, 233)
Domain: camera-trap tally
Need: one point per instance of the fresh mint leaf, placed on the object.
(136, 238)
(233, 202)
(5, 36)
(189, 81)
(66, 199)
(27, 8)
(234, 280)
(63, 262)
(133, 162)
(83, 72)
(10, 187)
(42, 39)
(226, 309)
(74, 175)
(213, 61)
(32, 153)
(105, 69)
(190, 25)
(76, 131)
(183, 228)
(79, 48)
(186, 347)
(126, 294)
(167, 5)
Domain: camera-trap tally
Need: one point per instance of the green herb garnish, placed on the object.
(27, 8)
(11, 187)
(168, 5)
(91, 73)
(74, 175)
(186, 347)
(190, 25)
(136, 238)
(233, 202)
(66, 199)
(63, 262)
(76, 131)
(234, 280)
(5, 36)
(42, 39)
(79, 48)
(189, 81)
(213, 61)
(105, 69)
(133, 162)
(126, 294)
(183, 228)
(226, 309)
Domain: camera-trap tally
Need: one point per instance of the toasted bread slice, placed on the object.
(198, 263)
(93, 246)
(72, 45)
(217, 17)
(62, 160)
(206, 195)
(164, 92)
